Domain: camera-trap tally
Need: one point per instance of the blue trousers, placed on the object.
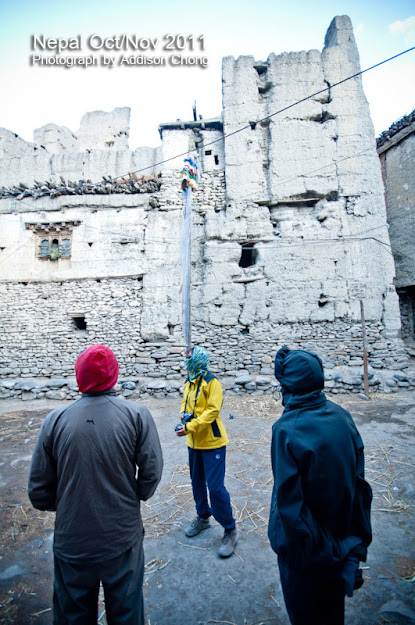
(207, 469)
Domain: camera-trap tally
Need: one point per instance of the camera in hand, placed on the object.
(187, 416)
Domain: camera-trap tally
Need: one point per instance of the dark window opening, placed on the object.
(249, 255)
(261, 69)
(98, 280)
(216, 159)
(90, 243)
(333, 196)
(407, 309)
(322, 301)
(208, 152)
(265, 88)
(54, 253)
(253, 125)
(2, 248)
(245, 331)
(79, 323)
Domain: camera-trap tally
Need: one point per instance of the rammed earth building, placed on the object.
(290, 237)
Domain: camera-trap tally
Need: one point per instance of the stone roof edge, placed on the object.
(396, 128)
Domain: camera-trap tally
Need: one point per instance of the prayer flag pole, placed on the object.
(189, 183)
(186, 266)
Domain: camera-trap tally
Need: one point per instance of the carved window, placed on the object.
(54, 240)
(54, 246)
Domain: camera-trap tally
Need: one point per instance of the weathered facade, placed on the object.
(289, 235)
(396, 149)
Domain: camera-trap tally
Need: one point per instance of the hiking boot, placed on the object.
(196, 526)
(227, 547)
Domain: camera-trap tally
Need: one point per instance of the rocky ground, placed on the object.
(185, 582)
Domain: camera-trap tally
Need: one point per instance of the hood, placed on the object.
(299, 372)
(96, 369)
(198, 363)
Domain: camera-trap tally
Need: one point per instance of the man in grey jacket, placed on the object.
(93, 462)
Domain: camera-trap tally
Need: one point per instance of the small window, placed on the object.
(208, 152)
(53, 240)
(216, 159)
(54, 247)
(249, 255)
(79, 322)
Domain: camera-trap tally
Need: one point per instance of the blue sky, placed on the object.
(37, 95)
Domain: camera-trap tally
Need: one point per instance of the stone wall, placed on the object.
(304, 186)
(407, 308)
(398, 164)
(280, 254)
(396, 148)
(241, 314)
(243, 362)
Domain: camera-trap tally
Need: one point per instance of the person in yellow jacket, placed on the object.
(206, 440)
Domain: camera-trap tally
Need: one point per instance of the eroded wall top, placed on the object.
(99, 148)
(319, 146)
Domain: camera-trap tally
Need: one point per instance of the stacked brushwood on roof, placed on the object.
(395, 128)
(132, 184)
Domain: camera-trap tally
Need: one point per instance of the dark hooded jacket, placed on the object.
(320, 507)
(94, 460)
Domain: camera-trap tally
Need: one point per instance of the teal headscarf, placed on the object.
(197, 364)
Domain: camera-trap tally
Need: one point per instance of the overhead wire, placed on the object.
(280, 243)
(249, 125)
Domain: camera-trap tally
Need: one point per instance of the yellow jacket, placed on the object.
(206, 430)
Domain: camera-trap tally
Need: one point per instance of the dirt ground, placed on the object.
(185, 582)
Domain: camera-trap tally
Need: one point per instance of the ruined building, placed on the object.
(396, 149)
(289, 236)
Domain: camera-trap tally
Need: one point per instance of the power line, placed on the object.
(283, 243)
(26, 242)
(267, 117)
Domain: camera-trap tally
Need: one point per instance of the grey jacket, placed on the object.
(94, 460)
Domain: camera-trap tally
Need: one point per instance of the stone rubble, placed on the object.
(337, 381)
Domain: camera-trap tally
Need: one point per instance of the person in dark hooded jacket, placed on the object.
(94, 460)
(319, 522)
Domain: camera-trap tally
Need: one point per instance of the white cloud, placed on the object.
(406, 27)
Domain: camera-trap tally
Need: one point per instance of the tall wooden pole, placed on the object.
(365, 364)
(186, 253)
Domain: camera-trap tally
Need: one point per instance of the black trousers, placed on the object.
(76, 587)
(315, 597)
